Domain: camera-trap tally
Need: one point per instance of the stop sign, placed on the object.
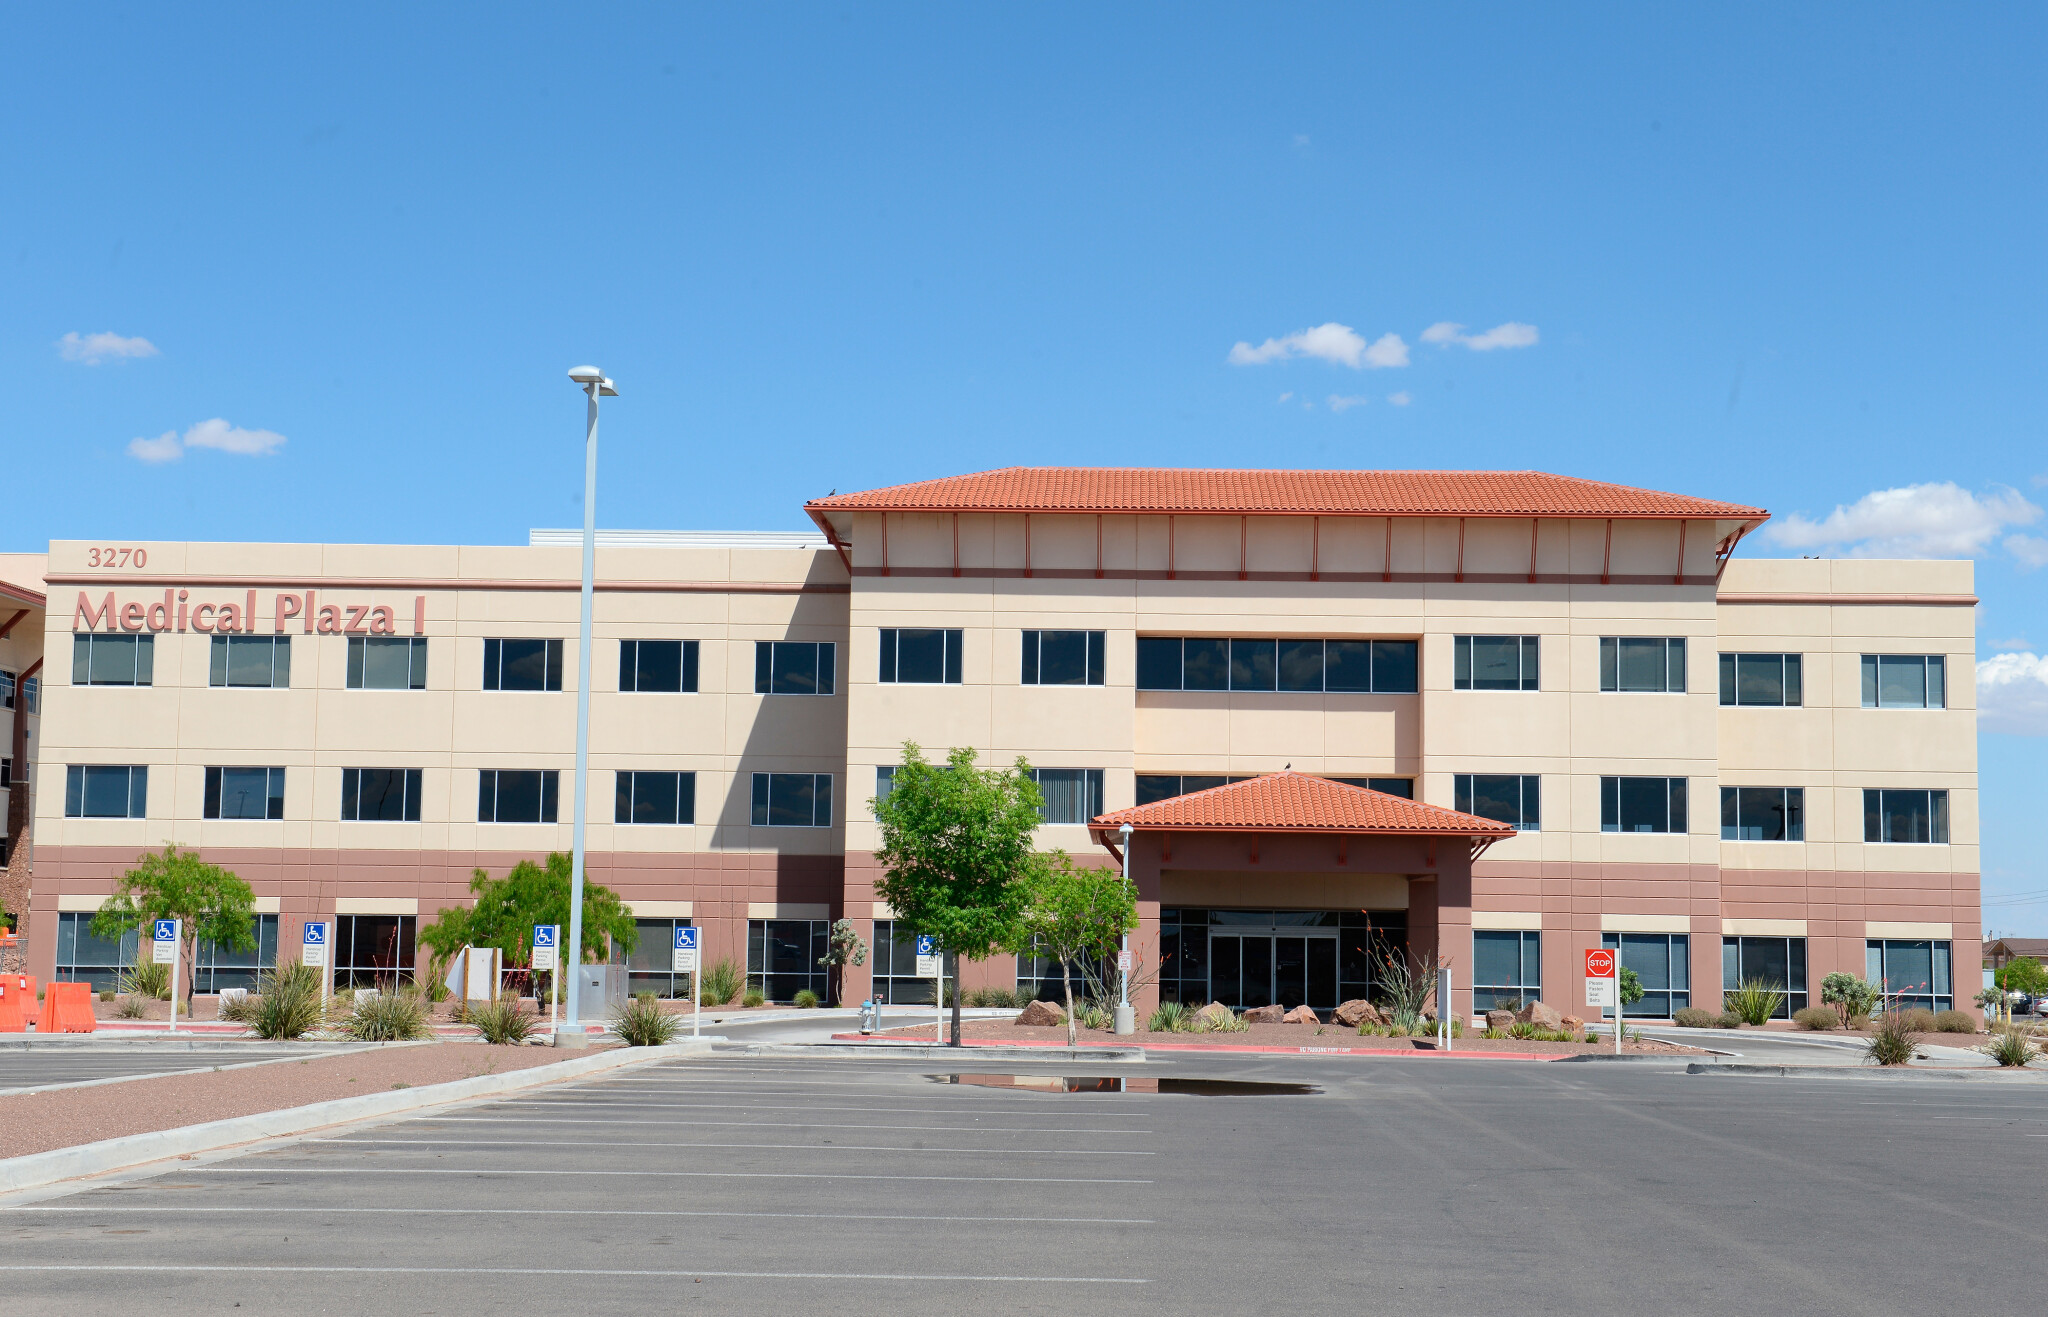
(1599, 964)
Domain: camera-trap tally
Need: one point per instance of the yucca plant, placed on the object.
(1754, 1001)
(2010, 1048)
(287, 1003)
(1226, 1021)
(389, 1017)
(505, 1021)
(722, 982)
(1893, 1038)
(145, 978)
(643, 1024)
(1169, 1017)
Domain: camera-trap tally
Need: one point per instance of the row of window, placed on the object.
(1658, 804)
(1507, 969)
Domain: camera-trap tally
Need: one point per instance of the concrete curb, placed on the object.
(932, 1051)
(1875, 1072)
(58, 1164)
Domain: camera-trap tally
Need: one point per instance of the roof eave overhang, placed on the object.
(1102, 831)
(1748, 518)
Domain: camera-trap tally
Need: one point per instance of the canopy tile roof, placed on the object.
(1299, 802)
(1332, 493)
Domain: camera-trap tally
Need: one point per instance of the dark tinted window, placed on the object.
(1205, 664)
(1068, 795)
(1632, 663)
(658, 665)
(1506, 967)
(1253, 665)
(789, 667)
(792, 800)
(1511, 798)
(249, 661)
(1905, 816)
(1642, 804)
(1257, 664)
(522, 665)
(1158, 663)
(244, 793)
(656, 798)
(1494, 663)
(106, 791)
(1761, 679)
(1777, 961)
(1905, 681)
(506, 795)
(395, 663)
(1063, 658)
(112, 660)
(1763, 814)
(380, 795)
(1404, 787)
(928, 656)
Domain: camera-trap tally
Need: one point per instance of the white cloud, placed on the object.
(92, 349)
(2030, 550)
(1941, 520)
(163, 448)
(2013, 642)
(2012, 694)
(1343, 403)
(215, 434)
(1512, 334)
(1285, 396)
(1400, 399)
(1329, 342)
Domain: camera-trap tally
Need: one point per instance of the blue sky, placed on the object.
(1785, 256)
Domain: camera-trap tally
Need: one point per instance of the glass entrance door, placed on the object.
(1294, 968)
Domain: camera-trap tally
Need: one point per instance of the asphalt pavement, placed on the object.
(33, 1067)
(863, 1186)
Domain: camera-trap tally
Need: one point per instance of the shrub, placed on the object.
(1224, 1021)
(1954, 1022)
(1859, 1022)
(2010, 1048)
(133, 1008)
(1919, 1019)
(1849, 995)
(1754, 1001)
(998, 997)
(505, 1021)
(1816, 1018)
(642, 1024)
(1170, 1017)
(287, 1004)
(1693, 1017)
(722, 982)
(239, 1009)
(754, 997)
(1522, 1029)
(1728, 1020)
(1893, 1040)
(806, 1000)
(106, 994)
(396, 1017)
(146, 978)
(1093, 1015)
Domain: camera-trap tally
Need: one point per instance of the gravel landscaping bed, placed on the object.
(1274, 1035)
(38, 1122)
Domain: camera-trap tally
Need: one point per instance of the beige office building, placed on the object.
(1502, 716)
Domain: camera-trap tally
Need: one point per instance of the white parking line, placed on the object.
(91, 1268)
(186, 1209)
(755, 1147)
(279, 1171)
(786, 1124)
(1008, 1111)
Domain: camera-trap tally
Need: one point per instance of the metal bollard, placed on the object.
(870, 1017)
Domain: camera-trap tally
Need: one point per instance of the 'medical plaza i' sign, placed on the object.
(179, 611)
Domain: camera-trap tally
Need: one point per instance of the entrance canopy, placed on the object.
(1297, 804)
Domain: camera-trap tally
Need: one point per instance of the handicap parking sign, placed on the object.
(316, 935)
(927, 957)
(166, 930)
(685, 961)
(165, 950)
(544, 946)
(313, 944)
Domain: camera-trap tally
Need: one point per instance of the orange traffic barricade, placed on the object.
(31, 1009)
(67, 1008)
(11, 1018)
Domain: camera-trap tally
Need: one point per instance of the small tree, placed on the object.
(1849, 995)
(1074, 913)
(843, 947)
(506, 909)
(2023, 974)
(172, 884)
(956, 847)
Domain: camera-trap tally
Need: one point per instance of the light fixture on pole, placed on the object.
(1125, 1020)
(569, 959)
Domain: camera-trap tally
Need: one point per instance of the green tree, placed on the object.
(956, 847)
(506, 909)
(1072, 913)
(1849, 995)
(2023, 974)
(843, 947)
(212, 902)
(1630, 987)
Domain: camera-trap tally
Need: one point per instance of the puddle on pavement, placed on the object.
(1130, 1084)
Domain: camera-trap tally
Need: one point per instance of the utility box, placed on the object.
(600, 989)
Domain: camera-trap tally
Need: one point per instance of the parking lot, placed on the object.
(35, 1066)
(865, 1186)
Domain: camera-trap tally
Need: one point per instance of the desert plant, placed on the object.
(754, 997)
(1894, 1039)
(106, 994)
(134, 1008)
(1224, 1021)
(1754, 1001)
(287, 1004)
(1727, 1020)
(723, 981)
(643, 1024)
(239, 1009)
(2010, 1047)
(1170, 1017)
(505, 1021)
(146, 978)
(805, 1000)
(1406, 983)
(388, 1017)
(1521, 1029)
(1859, 1022)
(1954, 1022)
(1815, 1018)
(843, 947)
(1919, 1019)
(998, 997)
(1692, 1017)
(1849, 995)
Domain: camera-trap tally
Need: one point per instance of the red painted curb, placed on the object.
(1222, 1047)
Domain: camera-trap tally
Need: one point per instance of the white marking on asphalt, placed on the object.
(1006, 1111)
(788, 1124)
(684, 1175)
(162, 1268)
(186, 1209)
(758, 1147)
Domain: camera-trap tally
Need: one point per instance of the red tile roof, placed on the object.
(1297, 802)
(1333, 493)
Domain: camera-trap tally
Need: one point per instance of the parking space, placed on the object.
(34, 1067)
(867, 1187)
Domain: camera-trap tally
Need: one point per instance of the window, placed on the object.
(792, 800)
(783, 956)
(1068, 795)
(7, 688)
(1063, 658)
(655, 798)
(895, 966)
(522, 665)
(1510, 798)
(1165, 786)
(1507, 970)
(1629, 663)
(1905, 681)
(1763, 814)
(658, 665)
(1200, 663)
(1919, 817)
(249, 661)
(1917, 973)
(373, 951)
(1404, 787)
(6, 773)
(1642, 804)
(31, 694)
(399, 663)
(1040, 975)
(924, 656)
(216, 967)
(380, 795)
(650, 965)
(1777, 961)
(244, 793)
(112, 660)
(1766, 679)
(507, 795)
(106, 791)
(788, 667)
(1494, 663)
(1663, 962)
(85, 957)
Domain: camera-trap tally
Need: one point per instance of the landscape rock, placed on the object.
(1573, 1024)
(1357, 1011)
(1302, 1015)
(1214, 1011)
(1543, 1017)
(1501, 1020)
(1264, 1015)
(1042, 1013)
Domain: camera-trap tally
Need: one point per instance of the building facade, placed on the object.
(1559, 714)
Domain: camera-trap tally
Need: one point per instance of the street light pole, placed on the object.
(569, 959)
(1126, 1021)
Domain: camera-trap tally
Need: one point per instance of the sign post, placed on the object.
(1443, 1006)
(685, 962)
(165, 939)
(546, 938)
(929, 967)
(313, 951)
(1603, 987)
